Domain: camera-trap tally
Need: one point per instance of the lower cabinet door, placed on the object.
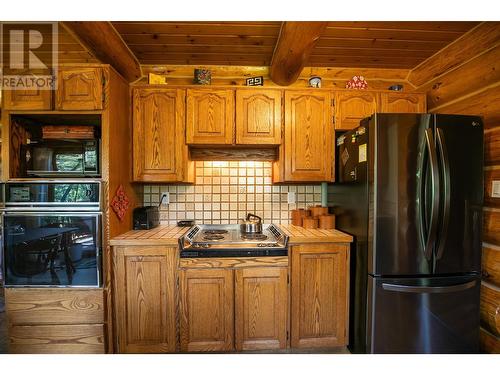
(319, 293)
(207, 310)
(261, 308)
(145, 299)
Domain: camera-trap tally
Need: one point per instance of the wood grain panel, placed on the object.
(402, 103)
(491, 264)
(57, 339)
(264, 153)
(261, 306)
(492, 146)
(319, 295)
(353, 106)
(160, 153)
(485, 102)
(27, 99)
(210, 116)
(473, 75)
(199, 28)
(491, 223)
(144, 41)
(233, 262)
(489, 343)
(308, 147)
(79, 89)
(490, 308)
(146, 299)
(258, 117)
(27, 306)
(491, 175)
(474, 42)
(454, 26)
(207, 310)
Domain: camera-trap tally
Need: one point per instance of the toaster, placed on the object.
(147, 217)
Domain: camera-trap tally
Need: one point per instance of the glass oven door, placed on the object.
(51, 249)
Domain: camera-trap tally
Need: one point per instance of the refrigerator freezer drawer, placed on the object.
(423, 315)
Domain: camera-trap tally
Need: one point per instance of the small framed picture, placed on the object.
(255, 81)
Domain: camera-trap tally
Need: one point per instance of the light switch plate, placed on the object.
(495, 189)
(292, 198)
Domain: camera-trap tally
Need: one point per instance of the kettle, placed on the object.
(252, 224)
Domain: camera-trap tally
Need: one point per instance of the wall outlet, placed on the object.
(495, 189)
(165, 198)
(292, 198)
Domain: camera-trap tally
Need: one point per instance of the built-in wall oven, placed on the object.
(51, 234)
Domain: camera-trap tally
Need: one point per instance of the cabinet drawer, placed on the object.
(54, 306)
(57, 339)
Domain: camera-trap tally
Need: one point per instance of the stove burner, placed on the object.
(214, 231)
(213, 237)
(254, 236)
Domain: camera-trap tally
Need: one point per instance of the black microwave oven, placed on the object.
(61, 158)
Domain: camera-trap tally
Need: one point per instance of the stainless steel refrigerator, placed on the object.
(409, 187)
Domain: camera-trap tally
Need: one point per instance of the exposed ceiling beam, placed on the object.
(293, 48)
(104, 42)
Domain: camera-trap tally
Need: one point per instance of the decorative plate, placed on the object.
(357, 82)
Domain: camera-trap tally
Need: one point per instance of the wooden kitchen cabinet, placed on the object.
(210, 116)
(27, 100)
(207, 310)
(258, 117)
(160, 152)
(319, 295)
(307, 153)
(396, 102)
(261, 308)
(353, 106)
(145, 292)
(80, 89)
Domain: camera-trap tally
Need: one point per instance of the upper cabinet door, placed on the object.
(27, 99)
(353, 106)
(79, 89)
(210, 116)
(395, 102)
(308, 148)
(160, 153)
(258, 117)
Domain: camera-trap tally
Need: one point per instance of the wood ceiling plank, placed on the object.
(381, 60)
(340, 32)
(480, 38)
(228, 40)
(191, 28)
(293, 48)
(426, 45)
(458, 26)
(369, 52)
(183, 48)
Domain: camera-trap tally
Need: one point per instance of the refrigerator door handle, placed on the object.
(428, 289)
(445, 162)
(431, 238)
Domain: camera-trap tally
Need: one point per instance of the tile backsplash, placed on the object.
(226, 190)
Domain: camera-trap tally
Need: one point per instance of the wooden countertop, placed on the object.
(161, 235)
(169, 235)
(299, 235)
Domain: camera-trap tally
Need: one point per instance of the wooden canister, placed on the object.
(327, 222)
(319, 211)
(310, 222)
(298, 216)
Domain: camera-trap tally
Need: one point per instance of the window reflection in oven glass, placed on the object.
(51, 250)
